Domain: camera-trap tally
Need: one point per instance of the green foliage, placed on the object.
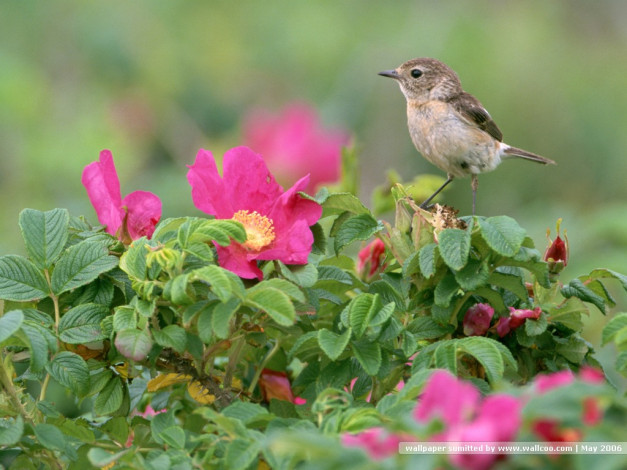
(160, 323)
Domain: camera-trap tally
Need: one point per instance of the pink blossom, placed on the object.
(502, 326)
(516, 318)
(370, 259)
(376, 441)
(295, 144)
(276, 221)
(275, 384)
(467, 418)
(128, 219)
(477, 319)
(545, 382)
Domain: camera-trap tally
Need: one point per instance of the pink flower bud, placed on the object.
(556, 255)
(477, 319)
(502, 326)
(370, 259)
(518, 316)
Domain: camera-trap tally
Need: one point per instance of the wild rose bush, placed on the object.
(252, 339)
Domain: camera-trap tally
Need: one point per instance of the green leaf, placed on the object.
(246, 412)
(473, 275)
(110, 397)
(411, 265)
(45, 234)
(426, 328)
(10, 322)
(608, 273)
(454, 247)
(81, 324)
(172, 336)
(445, 290)
(174, 436)
(511, 282)
(576, 288)
(274, 302)
(333, 344)
(487, 353)
(81, 264)
(133, 262)
(343, 202)
(71, 371)
(217, 278)
(50, 436)
(292, 290)
(361, 310)
(124, 318)
(369, 356)
(493, 297)
(359, 227)
(502, 234)
(222, 231)
(133, 344)
(536, 327)
(305, 346)
(445, 355)
(573, 349)
(241, 453)
(101, 458)
(39, 349)
(427, 259)
(20, 280)
(616, 325)
(221, 317)
(304, 275)
(11, 430)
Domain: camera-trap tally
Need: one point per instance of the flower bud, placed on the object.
(370, 260)
(477, 319)
(556, 255)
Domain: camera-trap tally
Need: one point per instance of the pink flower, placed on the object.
(376, 441)
(545, 382)
(477, 319)
(294, 144)
(370, 259)
(277, 222)
(128, 219)
(467, 418)
(516, 318)
(275, 384)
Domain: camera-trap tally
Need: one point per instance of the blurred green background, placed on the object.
(154, 81)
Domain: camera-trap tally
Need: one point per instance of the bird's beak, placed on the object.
(390, 73)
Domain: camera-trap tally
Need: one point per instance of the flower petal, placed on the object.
(103, 188)
(144, 211)
(208, 191)
(236, 259)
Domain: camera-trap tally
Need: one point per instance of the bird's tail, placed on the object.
(516, 152)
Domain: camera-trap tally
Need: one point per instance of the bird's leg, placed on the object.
(425, 205)
(474, 183)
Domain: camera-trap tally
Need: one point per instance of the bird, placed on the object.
(449, 126)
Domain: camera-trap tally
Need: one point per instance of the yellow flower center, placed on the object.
(259, 229)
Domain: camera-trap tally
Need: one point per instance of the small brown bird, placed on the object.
(450, 127)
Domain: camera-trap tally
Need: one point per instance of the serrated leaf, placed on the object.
(445, 290)
(245, 411)
(81, 264)
(172, 336)
(573, 349)
(39, 348)
(502, 234)
(411, 265)
(133, 344)
(45, 234)
(361, 310)
(274, 302)
(510, 282)
(576, 288)
(493, 297)
(608, 273)
(133, 261)
(427, 259)
(20, 280)
(110, 397)
(217, 278)
(222, 231)
(613, 327)
(343, 202)
(445, 356)
(11, 430)
(305, 346)
(304, 275)
(473, 275)
(285, 286)
(369, 356)
(179, 290)
(10, 322)
(124, 318)
(81, 324)
(50, 436)
(221, 317)
(426, 328)
(454, 247)
(486, 353)
(359, 227)
(536, 327)
(333, 344)
(71, 371)
(174, 436)
(241, 453)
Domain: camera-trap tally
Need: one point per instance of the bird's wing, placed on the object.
(472, 110)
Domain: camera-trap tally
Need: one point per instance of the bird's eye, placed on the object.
(416, 73)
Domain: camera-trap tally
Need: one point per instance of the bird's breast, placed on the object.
(449, 142)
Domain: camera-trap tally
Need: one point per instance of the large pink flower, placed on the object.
(277, 222)
(295, 144)
(130, 218)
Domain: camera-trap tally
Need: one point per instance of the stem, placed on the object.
(233, 360)
(44, 388)
(7, 384)
(259, 370)
(57, 320)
